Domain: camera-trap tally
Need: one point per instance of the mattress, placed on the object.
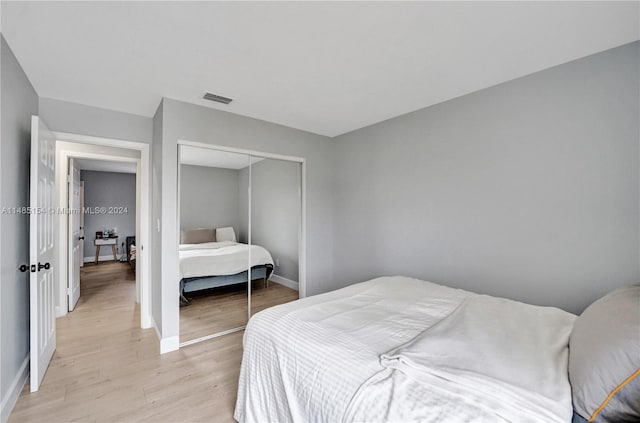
(349, 355)
(220, 258)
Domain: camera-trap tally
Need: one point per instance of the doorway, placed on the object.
(75, 153)
(105, 226)
(241, 247)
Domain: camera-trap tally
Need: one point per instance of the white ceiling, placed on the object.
(325, 67)
(214, 158)
(105, 166)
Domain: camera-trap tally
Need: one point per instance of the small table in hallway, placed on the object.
(98, 242)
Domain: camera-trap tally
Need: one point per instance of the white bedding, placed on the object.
(509, 358)
(319, 359)
(219, 258)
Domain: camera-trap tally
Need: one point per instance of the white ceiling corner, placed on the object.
(324, 67)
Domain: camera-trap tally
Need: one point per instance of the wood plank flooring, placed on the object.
(224, 308)
(107, 369)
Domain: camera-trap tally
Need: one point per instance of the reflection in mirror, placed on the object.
(213, 259)
(275, 206)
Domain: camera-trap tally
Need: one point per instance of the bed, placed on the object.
(402, 349)
(207, 264)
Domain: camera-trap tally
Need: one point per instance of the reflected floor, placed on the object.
(220, 309)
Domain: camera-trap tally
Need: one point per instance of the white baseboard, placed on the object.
(284, 281)
(10, 399)
(108, 257)
(171, 343)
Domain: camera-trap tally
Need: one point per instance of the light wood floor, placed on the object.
(225, 308)
(106, 368)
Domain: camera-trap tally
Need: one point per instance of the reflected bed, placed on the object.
(215, 264)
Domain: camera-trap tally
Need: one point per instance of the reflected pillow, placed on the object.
(225, 234)
(197, 236)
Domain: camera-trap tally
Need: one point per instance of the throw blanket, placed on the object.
(499, 357)
(220, 258)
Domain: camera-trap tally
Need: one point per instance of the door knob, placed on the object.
(46, 266)
(81, 238)
(25, 268)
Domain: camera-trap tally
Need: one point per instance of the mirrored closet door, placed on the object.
(275, 223)
(240, 238)
(213, 250)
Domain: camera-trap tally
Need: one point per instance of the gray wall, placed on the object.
(184, 121)
(243, 205)
(108, 189)
(156, 219)
(275, 211)
(19, 103)
(75, 118)
(528, 190)
(208, 197)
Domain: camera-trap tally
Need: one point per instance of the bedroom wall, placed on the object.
(108, 189)
(63, 116)
(527, 190)
(19, 102)
(184, 121)
(275, 211)
(208, 197)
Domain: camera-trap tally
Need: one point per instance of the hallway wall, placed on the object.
(108, 189)
(19, 102)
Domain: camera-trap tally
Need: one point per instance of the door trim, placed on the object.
(143, 221)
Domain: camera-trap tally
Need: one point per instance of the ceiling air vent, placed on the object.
(217, 98)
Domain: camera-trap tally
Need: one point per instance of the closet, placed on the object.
(241, 238)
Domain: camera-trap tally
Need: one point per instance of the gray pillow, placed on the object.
(604, 358)
(197, 236)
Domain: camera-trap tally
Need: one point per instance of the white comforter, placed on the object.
(363, 353)
(220, 258)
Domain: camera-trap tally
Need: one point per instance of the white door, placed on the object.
(41, 251)
(75, 258)
(81, 223)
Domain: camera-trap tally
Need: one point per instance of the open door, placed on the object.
(75, 258)
(41, 251)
